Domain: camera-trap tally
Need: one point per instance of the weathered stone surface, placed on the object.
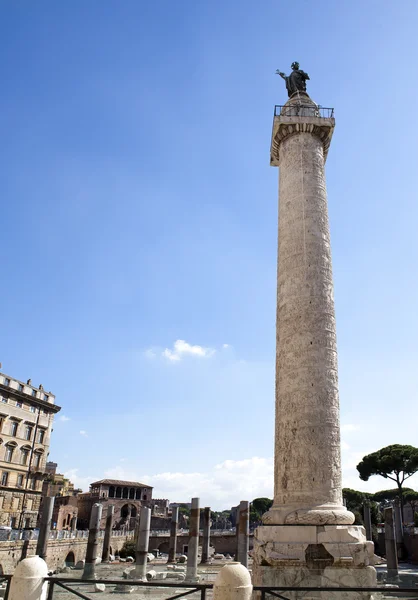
(308, 538)
(99, 587)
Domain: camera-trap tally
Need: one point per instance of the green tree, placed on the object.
(396, 462)
(411, 497)
(355, 501)
(258, 507)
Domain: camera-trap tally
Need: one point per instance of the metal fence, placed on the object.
(58, 584)
(291, 110)
(77, 588)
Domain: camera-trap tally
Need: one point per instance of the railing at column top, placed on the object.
(283, 110)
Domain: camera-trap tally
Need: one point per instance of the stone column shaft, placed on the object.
(74, 524)
(307, 437)
(93, 542)
(206, 535)
(45, 526)
(141, 550)
(390, 544)
(243, 532)
(191, 571)
(367, 521)
(172, 550)
(108, 532)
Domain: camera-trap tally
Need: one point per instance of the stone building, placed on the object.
(126, 496)
(65, 510)
(55, 484)
(26, 417)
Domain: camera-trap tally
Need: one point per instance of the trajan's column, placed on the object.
(307, 538)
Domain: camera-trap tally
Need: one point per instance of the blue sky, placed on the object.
(139, 209)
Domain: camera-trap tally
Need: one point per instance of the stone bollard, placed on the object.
(45, 526)
(233, 582)
(191, 573)
(93, 542)
(243, 532)
(108, 533)
(141, 550)
(28, 580)
(173, 534)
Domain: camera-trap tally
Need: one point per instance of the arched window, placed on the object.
(138, 494)
(145, 497)
(133, 512)
(10, 448)
(37, 458)
(132, 494)
(125, 493)
(112, 491)
(118, 492)
(24, 455)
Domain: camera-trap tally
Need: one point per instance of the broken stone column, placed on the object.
(390, 544)
(172, 550)
(74, 524)
(206, 536)
(142, 544)
(45, 526)
(307, 537)
(191, 572)
(93, 542)
(108, 533)
(367, 520)
(243, 532)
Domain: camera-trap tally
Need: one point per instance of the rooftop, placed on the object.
(121, 483)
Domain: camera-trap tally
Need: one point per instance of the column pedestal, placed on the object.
(312, 556)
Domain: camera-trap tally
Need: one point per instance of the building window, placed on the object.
(24, 456)
(13, 428)
(37, 459)
(9, 453)
(20, 481)
(20, 387)
(27, 523)
(28, 432)
(4, 478)
(46, 397)
(32, 408)
(138, 494)
(33, 484)
(45, 411)
(34, 393)
(41, 436)
(19, 404)
(111, 491)
(4, 399)
(6, 381)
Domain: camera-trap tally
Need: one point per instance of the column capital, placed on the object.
(287, 125)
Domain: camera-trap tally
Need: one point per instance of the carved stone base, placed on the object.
(314, 556)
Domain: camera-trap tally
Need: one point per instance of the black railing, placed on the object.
(292, 110)
(6, 579)
(283, 592)
(65, 584)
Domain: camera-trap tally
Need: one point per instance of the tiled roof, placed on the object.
(121, 483)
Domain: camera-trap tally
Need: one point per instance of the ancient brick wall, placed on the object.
(58, 550)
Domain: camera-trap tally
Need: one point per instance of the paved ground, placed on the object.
(408, 576)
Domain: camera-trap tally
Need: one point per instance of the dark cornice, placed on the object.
(31, 399)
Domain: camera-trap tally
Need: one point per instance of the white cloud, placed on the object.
(83, 433)
(181, 348)
(350, 427)
(80, 482)
(222, 486)
(150, 353)
(225, 346)
(63, 418)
